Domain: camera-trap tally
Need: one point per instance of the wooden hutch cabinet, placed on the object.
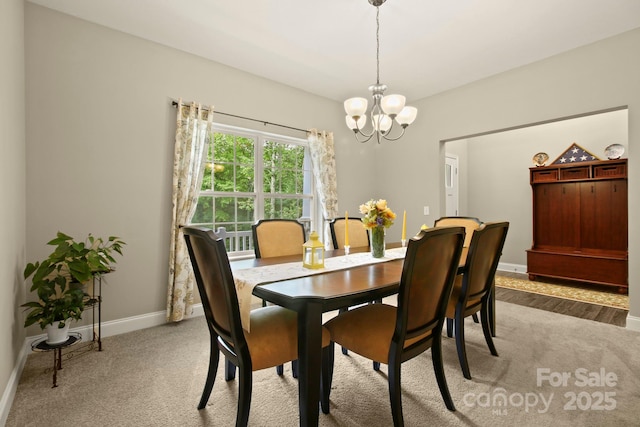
(580, 223)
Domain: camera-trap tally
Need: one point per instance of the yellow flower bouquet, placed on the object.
(376, 217)
(377, 214)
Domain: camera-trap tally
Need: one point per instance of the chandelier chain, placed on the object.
(377, 44)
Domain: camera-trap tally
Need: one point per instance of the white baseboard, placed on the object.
(12, 385)
(110, 328)
(633, 323)
(512, 268)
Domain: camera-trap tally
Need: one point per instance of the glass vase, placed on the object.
(377, 242)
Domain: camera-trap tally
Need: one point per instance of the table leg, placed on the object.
(309, 363)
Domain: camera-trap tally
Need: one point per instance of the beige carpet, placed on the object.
(154, 377)
(576, 292)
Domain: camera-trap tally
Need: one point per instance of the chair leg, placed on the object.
(214, 359)
(376, 366)
(294, 368)
(327, 376)
(460, 346)
(280, 369)
(487, 330)
(244, 396)
(438, 368)
(449, 327)
(395, 391)
(475, 318)
(491, 309)
(229, 370)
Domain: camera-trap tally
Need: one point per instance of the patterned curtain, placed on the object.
(193, 126)
(323, 159)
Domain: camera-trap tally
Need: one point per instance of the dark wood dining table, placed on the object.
(314, 295)
(311, 296)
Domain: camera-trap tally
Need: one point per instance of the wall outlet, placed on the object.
(426, 210)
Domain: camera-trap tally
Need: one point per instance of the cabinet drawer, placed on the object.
(544, 175)
(610, 171)
(574, 173)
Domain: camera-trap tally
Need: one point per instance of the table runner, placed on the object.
(248, 278)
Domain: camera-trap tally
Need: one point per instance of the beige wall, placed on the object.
(592, 78)
(100, 141)
(12, 188)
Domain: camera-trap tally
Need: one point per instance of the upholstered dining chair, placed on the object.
(358, 235)
(393, 335)
(470, 225)
(472, 290)
(273, 339)
(278, 237)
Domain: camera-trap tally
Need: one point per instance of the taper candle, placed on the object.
(404, 226)
(346, 228)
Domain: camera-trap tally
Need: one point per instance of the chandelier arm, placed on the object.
(367, 138)
(396, 138)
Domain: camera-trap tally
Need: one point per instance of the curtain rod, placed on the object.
(175, 104)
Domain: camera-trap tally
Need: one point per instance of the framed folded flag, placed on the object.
(575, 154)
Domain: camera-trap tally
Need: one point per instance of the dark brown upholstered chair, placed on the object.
(278, 237)
(358, 235)
(273, 339)
(393, 335)
(472, 290)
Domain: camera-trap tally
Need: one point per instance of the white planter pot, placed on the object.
(56, 335)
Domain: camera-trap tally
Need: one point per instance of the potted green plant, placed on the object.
(60, 279)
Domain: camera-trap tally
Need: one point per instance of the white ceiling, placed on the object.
(328, 47)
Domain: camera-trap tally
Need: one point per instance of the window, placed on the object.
(251, 175)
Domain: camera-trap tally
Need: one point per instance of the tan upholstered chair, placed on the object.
(470, 225)
(393, 335)
(277, 237)
(358, 235)
(273, 339)
(468, 222)
(472, 290)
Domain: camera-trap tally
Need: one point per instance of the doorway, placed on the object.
(451, 185)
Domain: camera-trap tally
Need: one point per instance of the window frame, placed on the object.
(314, 221)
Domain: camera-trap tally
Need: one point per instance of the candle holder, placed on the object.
(404, 243)
(346, 249)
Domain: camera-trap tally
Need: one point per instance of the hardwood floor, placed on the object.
(599, 313)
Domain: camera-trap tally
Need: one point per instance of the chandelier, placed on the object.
(386, 110)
